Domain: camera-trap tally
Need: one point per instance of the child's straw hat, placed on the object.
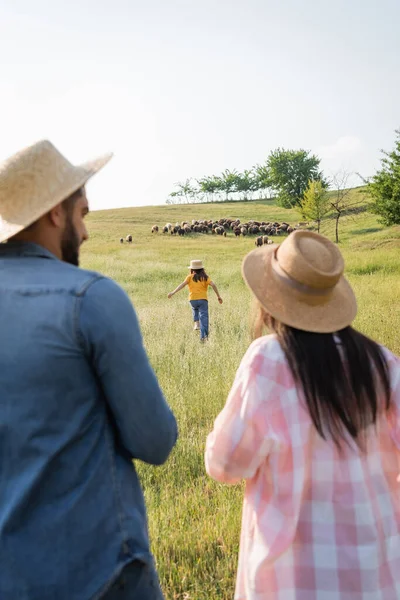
(196, 264)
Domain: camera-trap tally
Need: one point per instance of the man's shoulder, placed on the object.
(80, 282)
(75, 279)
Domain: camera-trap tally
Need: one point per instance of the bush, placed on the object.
(385, 187)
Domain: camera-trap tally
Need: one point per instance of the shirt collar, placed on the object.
(25, 249)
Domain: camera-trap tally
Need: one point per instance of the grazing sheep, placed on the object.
(243, 231)
(265, 239)
(154, 229)
(289, 229)
(181, 231)
(121, 240)
(237, 232)
(129, 239)
(259, 241)
(165, 229)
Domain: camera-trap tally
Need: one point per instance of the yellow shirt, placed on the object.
(197, 289)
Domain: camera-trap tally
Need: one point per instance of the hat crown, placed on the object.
(38, 169)
(36, 179)
(311, 260)
(196, 264)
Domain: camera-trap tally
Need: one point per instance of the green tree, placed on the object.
(289, 173)
(187, 190)
(315, 204)
(246, 183)
(228, 179)
(385, 187)
(262, 179)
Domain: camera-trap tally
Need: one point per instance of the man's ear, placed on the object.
(57, 216)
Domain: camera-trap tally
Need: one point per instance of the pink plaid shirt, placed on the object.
(316, 525)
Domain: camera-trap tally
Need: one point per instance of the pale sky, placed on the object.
(187, 88)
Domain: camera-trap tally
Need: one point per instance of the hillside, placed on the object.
(194, 522)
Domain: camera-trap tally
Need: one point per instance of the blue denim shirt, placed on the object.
(78, 401)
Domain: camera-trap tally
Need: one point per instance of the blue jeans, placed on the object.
(136, 582)
(200, 313)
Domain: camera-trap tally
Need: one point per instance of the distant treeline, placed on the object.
(284, 175)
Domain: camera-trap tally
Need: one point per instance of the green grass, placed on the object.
(194, 522)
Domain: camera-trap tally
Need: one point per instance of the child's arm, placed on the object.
(214, 287)
(178, 289)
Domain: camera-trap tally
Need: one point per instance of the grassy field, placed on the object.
(195, 522)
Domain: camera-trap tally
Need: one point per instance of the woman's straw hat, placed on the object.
(301, 284)
(34, 181)
(196, 264)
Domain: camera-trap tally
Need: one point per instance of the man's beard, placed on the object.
(70, 244)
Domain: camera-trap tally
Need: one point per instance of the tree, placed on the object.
(246, 183)
(315, 204)
(342, 198)
(209, 186)
(229, 181)
(186, 189)
(385, 187)
(262, 179)
(290, 171)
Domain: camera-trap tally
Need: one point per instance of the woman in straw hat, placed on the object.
(198, 282)
(312, 423)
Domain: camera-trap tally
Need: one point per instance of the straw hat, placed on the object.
(196, 264)
(301, 284)
(34, 181)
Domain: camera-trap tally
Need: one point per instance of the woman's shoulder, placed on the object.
(265, 349)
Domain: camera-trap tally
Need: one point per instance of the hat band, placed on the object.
(296, 285)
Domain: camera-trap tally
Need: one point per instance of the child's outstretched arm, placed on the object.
(178, 289)
(214, 287)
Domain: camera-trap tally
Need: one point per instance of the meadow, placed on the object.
(194, 522)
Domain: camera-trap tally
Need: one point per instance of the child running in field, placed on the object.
(198, 282)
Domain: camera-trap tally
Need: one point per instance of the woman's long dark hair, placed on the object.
(341, 375)
(199, 275)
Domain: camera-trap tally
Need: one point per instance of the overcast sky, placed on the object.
(186, 88)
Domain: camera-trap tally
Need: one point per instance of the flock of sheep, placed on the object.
(263, 229)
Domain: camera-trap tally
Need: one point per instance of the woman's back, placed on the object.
(318, 522)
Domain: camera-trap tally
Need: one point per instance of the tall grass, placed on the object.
(194, 522)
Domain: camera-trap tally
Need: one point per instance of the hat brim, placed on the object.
(77, 178)
(318, 314)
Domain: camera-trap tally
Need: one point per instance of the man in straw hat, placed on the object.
(78, 400)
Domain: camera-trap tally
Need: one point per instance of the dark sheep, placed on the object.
(129, 239)
(121, 240)
(259, 241)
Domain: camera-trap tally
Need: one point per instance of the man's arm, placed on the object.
(110, 329)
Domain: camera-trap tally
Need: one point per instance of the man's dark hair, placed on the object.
(68, 205)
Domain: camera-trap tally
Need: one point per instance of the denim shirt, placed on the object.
(78, 401)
